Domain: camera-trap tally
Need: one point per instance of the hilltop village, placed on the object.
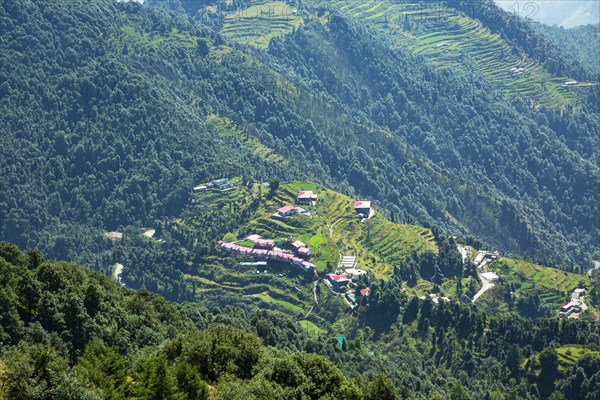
(296, 253)
(271, 245)
(341, 244)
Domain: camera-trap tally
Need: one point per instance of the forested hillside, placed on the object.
(114, 116)
(582, 42)
(67, 332)
(106, 110)
(475, 38)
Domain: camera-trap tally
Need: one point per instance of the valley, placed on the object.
(257, 200)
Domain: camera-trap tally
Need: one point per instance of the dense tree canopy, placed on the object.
(68, 332)
(109, 110)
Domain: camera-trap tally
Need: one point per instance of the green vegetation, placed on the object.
(451, 40)
(333, 230)
(68, 332)
(111, 112)
(291, 307)
(329, 102)
(311, 328)
(551, 285)
(580, 42)
(531, 275)
(139, 40)
(570, 355)
(226, 127)
(257, 24)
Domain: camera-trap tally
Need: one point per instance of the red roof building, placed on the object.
(338, 282)
(287, 211)
(303, 252)
(264, 244)
(298, 245)
(362, 204)
(338, 278)
(365, 292)
(267, 253)
(363, 207)
(306, 197)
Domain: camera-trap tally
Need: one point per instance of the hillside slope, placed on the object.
(68, 332)
(582, 42)
(119, 117)
(455, 40)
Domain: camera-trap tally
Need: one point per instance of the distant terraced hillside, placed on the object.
(257, 24)
(451, 40)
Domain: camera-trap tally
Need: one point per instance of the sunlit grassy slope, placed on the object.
(451, 40)
(260, 22)
(333, 230)
(553, 285)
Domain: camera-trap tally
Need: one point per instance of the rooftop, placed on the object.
(298, 244)
(347, 262)
(285, 209)
(490, 276)
(338, 278)
(264, 243)
(362, 204)
(306, 194)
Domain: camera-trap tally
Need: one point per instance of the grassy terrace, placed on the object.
(449, 39)
(226, 128)
(257, 24)
(569, 355)
(551, 284)
(332, 230)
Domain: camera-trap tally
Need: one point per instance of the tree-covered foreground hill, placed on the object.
(70, 333)
(108, 109)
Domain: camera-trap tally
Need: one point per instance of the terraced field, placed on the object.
(134, 38)
(332, 230)
(450, 40)
(215, 199)
(225, 127)
(257, 24)
(551, 284)
(569, 355)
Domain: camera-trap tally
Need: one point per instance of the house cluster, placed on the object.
(575, 307)
(300, 249)
(304, 197)
(485, 257)
(517, 71)
(341, 283)
(435, 298)
(345, 279)
(264, 249)
(217, 184)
